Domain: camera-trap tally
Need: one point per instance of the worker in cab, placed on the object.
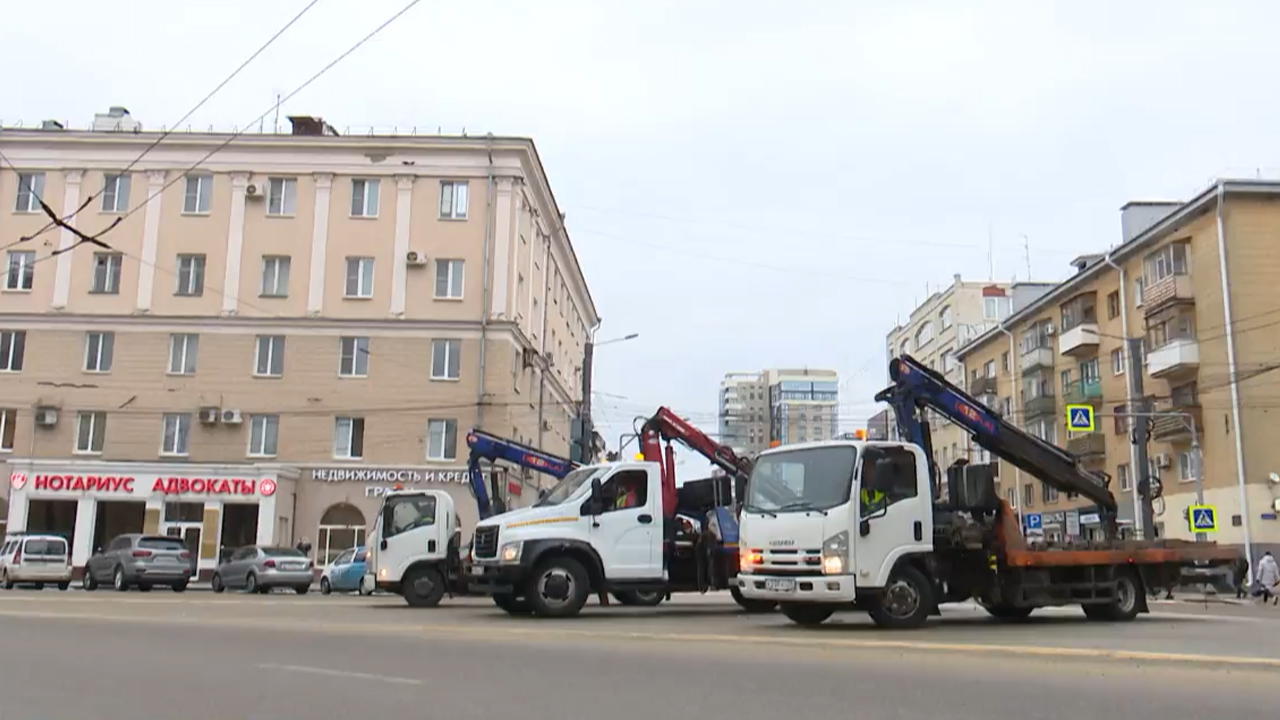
(872, 500)
(628, 494)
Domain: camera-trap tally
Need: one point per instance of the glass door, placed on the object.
(190, 535)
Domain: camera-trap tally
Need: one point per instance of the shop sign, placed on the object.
(390, 475)
(143, 484)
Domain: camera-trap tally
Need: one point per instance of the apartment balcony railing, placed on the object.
(1175, 357)
(982, 386)
(1175, 427)
(1172, 290)
(1041, 357)
(1084, 392)
(1079, 340)
(1087, 446)
(1043, 405)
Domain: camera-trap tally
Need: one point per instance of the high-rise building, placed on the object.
(782, 405)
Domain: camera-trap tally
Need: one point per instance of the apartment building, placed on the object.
(1195, 281)
(744, 412)
(278, 330)
(758, 409)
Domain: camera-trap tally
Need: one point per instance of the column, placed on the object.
(62, 276)
(82, 535)
(515, 256)
(267, 521)
(399, 270)
(319, 241)
(501, 248)
(235, 244)
(150, 239)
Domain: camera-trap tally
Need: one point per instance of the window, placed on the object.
(190, 275)
(199, 193)
(13, 347)
(442, 439)
(995, 307)
(949, 361)
(99, 347)
(1124, 478)
(1004, 361)
(91, 431)
(1120, 419)
(449, 278)
(1186, 466)
(354, 357)
(1117, 361)
(359, 277)
(899, 467)
(22, 270)
(446, 357)
(106, 273)
(453, 200)
(1079, 311)
(364, 198)
(1028, 496)
(264, 435)
(1036, 338)
(282, 196)
(348, 438)
(115, 193)
(1050, 494)
(1138, 286)
(407, 512)
(342, 527)
(183, 350)
(177, 434)
(275, 276)
(1089, 370)
(30, 192)
(989, 369)
(8, 428)
(269, 360)
(1113, 304)
(924, 335)
(946, 317)
(1186, 395)
(1164, 263)
(626, 490)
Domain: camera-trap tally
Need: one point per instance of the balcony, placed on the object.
(1172, 428)
(1173, 290)
(1041, 357)
(1079, 340)
(1174, 358)
(982, 386)
(1084, 392)
(1043, 405)
(1088, 446)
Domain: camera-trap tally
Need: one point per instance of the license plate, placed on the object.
(477, 570)
(165, 560)
(291, 566)
(780, 585)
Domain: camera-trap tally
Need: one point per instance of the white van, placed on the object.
(35, 559)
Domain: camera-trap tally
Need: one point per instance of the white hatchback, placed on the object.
(35, 559)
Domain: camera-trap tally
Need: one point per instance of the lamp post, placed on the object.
(586, 429)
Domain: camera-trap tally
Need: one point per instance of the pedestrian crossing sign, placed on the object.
(1080, 418)
(1203, 518)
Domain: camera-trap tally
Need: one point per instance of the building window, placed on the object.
(924, 335)
(989, 369)
(453, 200)
(359, 282)
(8, 428)
(341, 529)
(1050, 494)
(183, 350)
(13, 348)
(348, 438)
(190, 275)
(364, 198)
(946, 317)
(442, 439)
(264, 435)
(1120, 420)
(198, 195)
(1164, 263)
(177, 434)
(115, 193)
(269, 352)
(995, 307)
(1186, 466)
(446, 356)
(1138, 287)
(354, 357)
(99, 347)
(91, 432)
(1028, 496)
(22, 270)
(30, 192)
(275, 276)
(106, 273)
(282, 196)
(1113, 304)
(1124, 478)
(1004, 361)
(449, 279)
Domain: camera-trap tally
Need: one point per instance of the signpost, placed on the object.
(1202, 518)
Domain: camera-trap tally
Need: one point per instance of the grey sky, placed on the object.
(746, 185)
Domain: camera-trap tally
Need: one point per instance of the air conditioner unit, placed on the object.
(209, 415)
(415, 258)
(232, 417)
(46, 416)
(252, 191)
(1163, 460)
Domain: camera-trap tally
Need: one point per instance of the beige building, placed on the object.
(1195, 281)
(310, 314)
(778, 405)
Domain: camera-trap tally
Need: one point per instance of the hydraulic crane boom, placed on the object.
(916, 387)
(485, 446)
(666, 425)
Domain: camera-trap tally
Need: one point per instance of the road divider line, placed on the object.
(340, 673)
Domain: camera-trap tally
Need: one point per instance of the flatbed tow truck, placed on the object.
(862, 526)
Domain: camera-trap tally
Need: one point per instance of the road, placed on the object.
(203, 656)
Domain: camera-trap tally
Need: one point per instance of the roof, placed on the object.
(1171, 223)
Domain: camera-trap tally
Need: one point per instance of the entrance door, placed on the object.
(190, 535)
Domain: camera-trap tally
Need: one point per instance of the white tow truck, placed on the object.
(415, 547)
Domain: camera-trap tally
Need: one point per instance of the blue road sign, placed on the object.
(1034, 521)
(1204, 518)
(1080, 418)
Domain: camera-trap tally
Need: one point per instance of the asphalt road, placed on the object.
(196, 656)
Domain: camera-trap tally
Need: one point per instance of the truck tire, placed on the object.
(512, 604)
(423, 587)
(807, 614)
(640, 598)
(1124, 606)
(906, 601)
(750, 605)
(558, 587)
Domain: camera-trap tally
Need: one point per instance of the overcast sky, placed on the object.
(748, 184)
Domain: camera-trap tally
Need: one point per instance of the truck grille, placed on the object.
(485, 542)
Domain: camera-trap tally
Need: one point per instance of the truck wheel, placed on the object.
(512, 604)
(1003, 611)
(423, 587)
(807, 613)
(752, 606)
(1124, 606)
(558, 587)
(906, 602)
(640, 598)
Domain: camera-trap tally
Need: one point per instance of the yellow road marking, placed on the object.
(557, 631)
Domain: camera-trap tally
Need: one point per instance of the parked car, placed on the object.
(345, 572)
(141, 561)
(259, 568)
(35, 559)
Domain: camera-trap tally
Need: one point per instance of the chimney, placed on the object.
(1136, 217)
(116, 119)
(312, 126)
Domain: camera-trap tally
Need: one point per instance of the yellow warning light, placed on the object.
(639, 457)
(775, 443)
(860, 434)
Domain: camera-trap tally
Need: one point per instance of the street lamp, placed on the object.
(585, 427)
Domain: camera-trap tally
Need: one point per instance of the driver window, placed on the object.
(626, 490)
(888, 477)
(407, 512)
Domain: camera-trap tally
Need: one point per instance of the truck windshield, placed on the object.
(800, 480)
(568, 486)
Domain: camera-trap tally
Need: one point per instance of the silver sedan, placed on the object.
(258, 568)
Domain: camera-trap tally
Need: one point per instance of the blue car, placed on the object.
(344, 573)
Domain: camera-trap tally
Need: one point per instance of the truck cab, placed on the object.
(600, 529)
(828, 522)
(414, 548)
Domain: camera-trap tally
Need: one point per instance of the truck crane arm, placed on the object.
(668, 426)
(916, 387)
(485, 446)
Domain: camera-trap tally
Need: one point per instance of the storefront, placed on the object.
(213, 508)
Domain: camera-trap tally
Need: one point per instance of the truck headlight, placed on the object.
(510, 552)
(748, 560)
(835, 553)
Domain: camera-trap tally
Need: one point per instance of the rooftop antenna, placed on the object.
(1026, 251)
(275, 122)
(991, 262)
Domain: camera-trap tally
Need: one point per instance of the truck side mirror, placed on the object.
(542, 494)
(596, 504)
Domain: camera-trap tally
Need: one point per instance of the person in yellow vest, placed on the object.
(872, 500)
(627, 497)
